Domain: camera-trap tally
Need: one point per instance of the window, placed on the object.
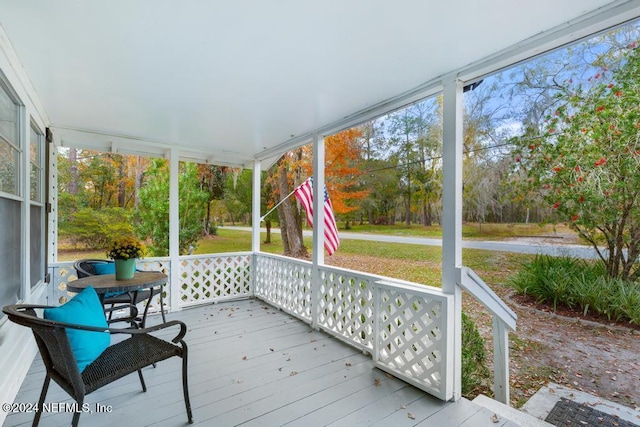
(9, 148)
(11, 228)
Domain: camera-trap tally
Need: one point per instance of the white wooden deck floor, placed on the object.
(252, 365)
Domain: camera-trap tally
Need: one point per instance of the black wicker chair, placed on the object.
(86, 267)
(141, 349)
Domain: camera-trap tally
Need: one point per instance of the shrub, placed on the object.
(93, 229)
(579, 284)
(474, 358)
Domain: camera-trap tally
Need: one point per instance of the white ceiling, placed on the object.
(237, 80)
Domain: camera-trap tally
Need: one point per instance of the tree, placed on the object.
(405, 128)
(585, 166)
(153, 212)
(288, 212)
(343, 156)
(237, 199)
(212, 180)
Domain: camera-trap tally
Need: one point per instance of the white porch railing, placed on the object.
(407, 328)
(203, 279)
(404, 326)
(504, 320)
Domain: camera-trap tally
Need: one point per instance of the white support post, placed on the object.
(255, 214)
(500, 361)
(318, 224)
(174, 228)
(452, 220)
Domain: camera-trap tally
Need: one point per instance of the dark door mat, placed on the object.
(569, 413)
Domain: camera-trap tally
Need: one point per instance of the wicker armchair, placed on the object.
(86, 267)
(141, 349)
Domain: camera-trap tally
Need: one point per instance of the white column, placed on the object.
(452, 216)
(174, 228)
(318, 200)
(255, 212)
(318, 224)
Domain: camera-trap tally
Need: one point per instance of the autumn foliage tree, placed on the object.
(586, 165)
(343, 154)
(342, 177)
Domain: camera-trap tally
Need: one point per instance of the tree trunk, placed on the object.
(283, 231)
(138, 184)
(122, 186)
(291, 217)
(73, 171)
(428, 222)
(267, 223)
(408, 212)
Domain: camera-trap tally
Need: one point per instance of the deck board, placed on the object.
(253, 365)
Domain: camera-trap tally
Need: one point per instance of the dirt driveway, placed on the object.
(603, 360)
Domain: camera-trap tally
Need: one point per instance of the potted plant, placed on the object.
(124, 251)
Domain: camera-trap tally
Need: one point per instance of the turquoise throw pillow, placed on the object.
(83, 309)
(105, 268)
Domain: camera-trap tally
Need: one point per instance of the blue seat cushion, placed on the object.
(83, 309)
(105, 268)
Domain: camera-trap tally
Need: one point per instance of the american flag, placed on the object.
(304, 193)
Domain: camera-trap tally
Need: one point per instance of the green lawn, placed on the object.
(417, 263)
(469, 230)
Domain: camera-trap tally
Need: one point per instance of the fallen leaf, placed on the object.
(377, 382)
(293, 373)
(495, 418)
(411, 416)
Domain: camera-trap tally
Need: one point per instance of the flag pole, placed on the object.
(278, 204)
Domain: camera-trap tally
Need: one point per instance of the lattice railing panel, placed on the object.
(162, 265)
(285, 283)
(412, 337)
(346, 305)
(209, 278)
(61, 273)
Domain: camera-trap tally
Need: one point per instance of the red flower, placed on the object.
(580, 179)
(583, 130)
(618, 93)
(575, 217)
(577, 169)
(610, 85)
(518, 159)
(600, 162)
(581, 199)
(612, 127)
(596, 76)
(557, 169)
(556, 205)
(600, 108)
